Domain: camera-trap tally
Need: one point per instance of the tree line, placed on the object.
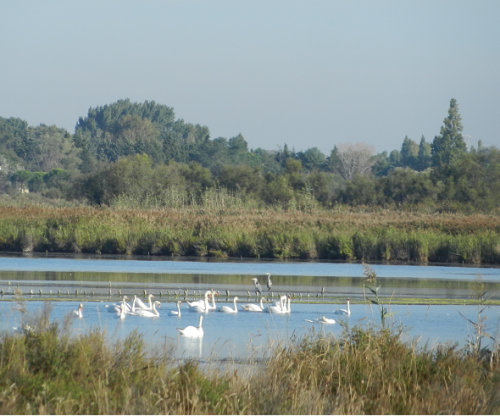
(140, 152)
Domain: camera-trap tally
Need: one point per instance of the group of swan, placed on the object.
(138, 308)
(203, 306)
(281, 307)
(323, 320)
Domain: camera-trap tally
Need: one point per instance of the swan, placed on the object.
(78, 312)
(287, 310)
(24, 329)
(281, 302)
(322, 320)
(149, 314)
(200, 302)
(126, 307)
(212, 307)
(122, 313)
(141, 305)
(253, 308)
(281, 308)
(178, 311)
(205, 307)
(192, 331)
(228, 309)
(346, 312)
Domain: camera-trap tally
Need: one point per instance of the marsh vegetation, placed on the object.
(220, 230)
(47, 370)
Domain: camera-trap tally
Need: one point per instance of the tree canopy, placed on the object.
(128, 151)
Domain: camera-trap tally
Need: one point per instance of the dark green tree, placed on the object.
(124, 129)
(449, 146)
(312, 158)
(395, 158)
(424, 155)
(245, 178)
(409, 153)
(13, 143)
(406, 186)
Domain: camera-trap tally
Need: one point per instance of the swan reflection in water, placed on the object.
(190, 347)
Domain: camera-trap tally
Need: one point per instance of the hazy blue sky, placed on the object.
(306, 73)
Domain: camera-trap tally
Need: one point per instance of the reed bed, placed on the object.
(46, 370)
(378, 235)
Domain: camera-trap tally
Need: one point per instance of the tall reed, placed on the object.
(222, 230)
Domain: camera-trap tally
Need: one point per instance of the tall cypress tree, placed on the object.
(449, 146)
(424, 155)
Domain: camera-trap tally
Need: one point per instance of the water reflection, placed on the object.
(189, 347)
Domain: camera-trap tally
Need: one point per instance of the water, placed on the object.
(208, 266)
(248, 334)
(85, 273)
(244, 335)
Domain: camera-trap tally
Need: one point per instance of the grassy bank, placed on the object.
(46, 371)
(337, 235)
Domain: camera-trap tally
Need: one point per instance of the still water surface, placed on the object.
(247, 334)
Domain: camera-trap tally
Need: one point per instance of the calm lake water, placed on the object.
(245, 334)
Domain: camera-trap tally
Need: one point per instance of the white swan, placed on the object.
(322, 320)
(24, 329)
(281, 308)
(149, 314)
(122, 313)
(126, 307)
(346, 312)
(228, 309)
(141, 305)
(251, 307)
(203, 308)
(78, 312)
(288, 310)
(212, 307)
(192, 331)
(200, 302)
(178, 311)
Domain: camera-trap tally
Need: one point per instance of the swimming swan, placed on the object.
(192, 331)
(228, 309)
(251, 307)
(205, 307)
(346, 312)
(78, 312)
(178, 311)
(141, 305)
(149, 314)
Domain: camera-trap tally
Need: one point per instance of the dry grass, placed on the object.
(363, 371)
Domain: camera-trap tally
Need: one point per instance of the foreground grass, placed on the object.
(46, 371)
(337, 235)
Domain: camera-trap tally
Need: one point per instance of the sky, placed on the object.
(306, 73)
